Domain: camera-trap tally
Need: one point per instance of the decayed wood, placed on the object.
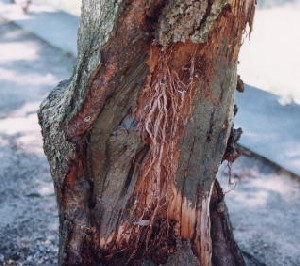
(135, 141)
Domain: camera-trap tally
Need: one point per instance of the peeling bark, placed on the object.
(135, 138)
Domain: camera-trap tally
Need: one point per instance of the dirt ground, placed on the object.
(264, 203)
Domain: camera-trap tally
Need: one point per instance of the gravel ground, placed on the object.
(29, 69)
(264, 209)
(264, 204)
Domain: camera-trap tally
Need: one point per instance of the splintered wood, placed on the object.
(163, 112)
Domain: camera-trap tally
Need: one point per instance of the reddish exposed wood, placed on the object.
(131, 38)
(75, 221)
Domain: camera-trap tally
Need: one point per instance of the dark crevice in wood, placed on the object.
(232, 152)
(135, 167)
(206, 15)
(153, 15)
(211, 126)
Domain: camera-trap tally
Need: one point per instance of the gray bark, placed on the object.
(135, 137)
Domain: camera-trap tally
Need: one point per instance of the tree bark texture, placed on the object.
(134, 139)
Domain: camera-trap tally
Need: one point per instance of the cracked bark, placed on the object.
(135, 137)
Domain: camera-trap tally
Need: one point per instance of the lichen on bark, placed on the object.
(67, 98)
(56, 147)
(96, 23)
(188, 20)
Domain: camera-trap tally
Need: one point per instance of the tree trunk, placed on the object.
(134, 139)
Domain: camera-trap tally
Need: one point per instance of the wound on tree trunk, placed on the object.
(134, 142)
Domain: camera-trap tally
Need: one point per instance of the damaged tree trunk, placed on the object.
(134, 139)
